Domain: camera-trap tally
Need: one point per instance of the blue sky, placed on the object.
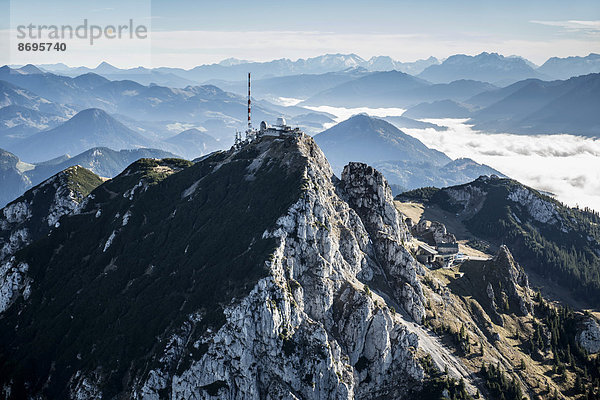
(187, 33)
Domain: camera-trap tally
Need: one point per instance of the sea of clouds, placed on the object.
(565, 165)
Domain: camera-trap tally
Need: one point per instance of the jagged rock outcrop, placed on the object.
(514, 280)
(39, 209)
(500, 285)
(12, 179)
(434, 232)
(588, 335)
(14, 282)
(539, 209)
(468, 199)
(369, 194)
(300, 307)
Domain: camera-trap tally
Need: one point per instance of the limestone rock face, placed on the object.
(326, 302)
(369, 194)
(501, 285)
(314, 329)
(516, 279)
(539, 209)
(470, 198)
(50, 200)
(589, 335)
(13, 282)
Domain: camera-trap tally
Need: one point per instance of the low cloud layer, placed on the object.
(566, 165)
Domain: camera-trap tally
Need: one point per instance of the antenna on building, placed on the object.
(251, 133)
(238, 139)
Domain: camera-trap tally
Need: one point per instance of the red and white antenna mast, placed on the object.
(250, 133)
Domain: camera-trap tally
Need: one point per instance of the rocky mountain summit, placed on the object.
(257, 273)
(39, 209)
(433, 232)
(314, 295)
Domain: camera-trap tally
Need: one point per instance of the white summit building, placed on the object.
(279, 129)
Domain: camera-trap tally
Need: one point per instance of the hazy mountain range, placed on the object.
(89, 128)
(406, 175)
(394, 89)
(232, 69)
(45, 115)
(297, 86)
(486, 67)
(489, 67)
(155, 111)
(94, 127)
(92, 134)
(11, 95)
(406, 122)
(192, 143)
(564, 68)
(191, 104)
(535, 106)
(439, 109)
(466, 82)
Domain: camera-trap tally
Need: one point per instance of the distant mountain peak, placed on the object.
(90, 80)
(105, 67)
(371, 140)
(30, 69)
(364, 120)
(95, 114)
(232, 61)
(91, 127)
